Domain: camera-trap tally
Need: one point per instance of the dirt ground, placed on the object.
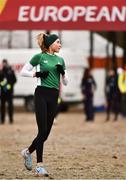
(74, 150)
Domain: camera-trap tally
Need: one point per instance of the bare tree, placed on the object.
(113, 39)
(124, 48)
(91, 49)
(29, 39)
(10, 40)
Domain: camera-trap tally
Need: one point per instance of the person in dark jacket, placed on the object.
(7, 81)
(113, 95)
(88, 85)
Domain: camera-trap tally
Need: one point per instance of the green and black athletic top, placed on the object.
(47, 62)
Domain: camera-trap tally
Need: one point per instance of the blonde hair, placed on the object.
(40, 41)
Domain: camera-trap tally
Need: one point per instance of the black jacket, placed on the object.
(7, 79)
(111, 88)
(87, 86)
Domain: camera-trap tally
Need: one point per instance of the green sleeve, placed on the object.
(35, 60)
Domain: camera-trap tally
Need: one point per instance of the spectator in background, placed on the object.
(58, 108)
(113, 95)
(7, 81)
(122, 88)
(88, 85)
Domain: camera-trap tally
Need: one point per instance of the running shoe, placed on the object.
(40, 171)
(27, 159)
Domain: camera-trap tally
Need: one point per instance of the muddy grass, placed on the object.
(74, 150)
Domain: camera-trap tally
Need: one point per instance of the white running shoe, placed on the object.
(28, 159)
(40, 171)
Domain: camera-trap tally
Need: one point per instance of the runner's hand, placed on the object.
(60, 69)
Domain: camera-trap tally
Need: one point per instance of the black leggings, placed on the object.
(45, 110)
(6, 98)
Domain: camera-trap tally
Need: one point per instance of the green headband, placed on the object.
(49, 39)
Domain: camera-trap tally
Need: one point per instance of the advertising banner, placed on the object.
(63, 15)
